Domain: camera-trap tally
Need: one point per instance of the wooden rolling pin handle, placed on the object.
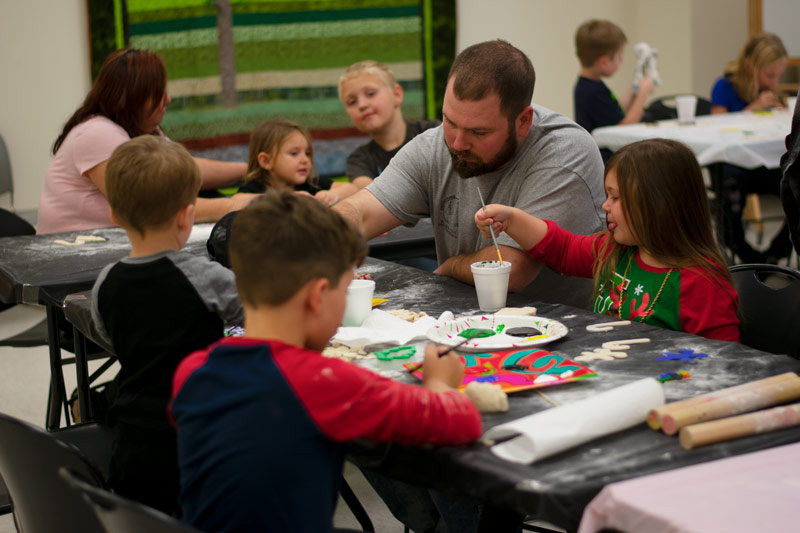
(739, 426)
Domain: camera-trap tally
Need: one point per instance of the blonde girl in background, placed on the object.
(749, 83)
(658, 261)
(281, 156)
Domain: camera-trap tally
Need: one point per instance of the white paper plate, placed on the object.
(446, 333)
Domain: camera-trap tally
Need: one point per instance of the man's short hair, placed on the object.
(368, 66)
(148, 180)
(494, 67)
(283, 240)
(597, 38)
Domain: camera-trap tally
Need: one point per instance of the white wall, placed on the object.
(695, 39)
(44, 61)
(44, 57)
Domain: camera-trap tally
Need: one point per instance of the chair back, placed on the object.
(6, 183)
(42, 502)
(769, 306)
(121, 515)
(666, 108)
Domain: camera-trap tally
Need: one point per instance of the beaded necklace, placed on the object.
(622, 298)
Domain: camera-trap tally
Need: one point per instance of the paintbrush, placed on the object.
(444, 352)
(491, 230)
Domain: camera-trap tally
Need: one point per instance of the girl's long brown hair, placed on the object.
(760, 51)
(130, 85)
(664, 201)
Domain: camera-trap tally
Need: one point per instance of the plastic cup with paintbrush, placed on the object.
(491, 277)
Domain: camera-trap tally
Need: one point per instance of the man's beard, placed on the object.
(469, 169)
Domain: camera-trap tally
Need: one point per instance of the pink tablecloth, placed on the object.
(756, 492)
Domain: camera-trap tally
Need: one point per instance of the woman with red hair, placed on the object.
(128, 99)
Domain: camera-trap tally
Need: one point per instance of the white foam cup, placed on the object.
(359, 301)
(491, 284)
(791, 102)
(687, 106)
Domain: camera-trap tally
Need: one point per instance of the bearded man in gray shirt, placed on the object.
(494, 140)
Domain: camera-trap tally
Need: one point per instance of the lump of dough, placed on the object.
(487, 397)
(341, 351)
(519, 311)
(405, 314)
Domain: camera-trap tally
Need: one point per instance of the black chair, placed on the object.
(12, 225)
(769, 300)
(121, 515)
(666, 108)
(29, 461)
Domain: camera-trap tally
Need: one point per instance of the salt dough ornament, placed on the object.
(342, 351)
(487, 397)
(646, 57)
(400, 352)
(405, 314)
(517, 311)
(610, 350)
(606, 326)
(80, 240)
(682, 355)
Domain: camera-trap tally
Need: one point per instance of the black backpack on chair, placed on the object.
(665, 108)
(217, 243)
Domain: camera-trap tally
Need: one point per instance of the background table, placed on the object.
(747, 493)
(747, 139)
(557, 488)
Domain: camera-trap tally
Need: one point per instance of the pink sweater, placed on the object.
(70, 201)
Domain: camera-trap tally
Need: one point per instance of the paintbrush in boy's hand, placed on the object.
(491, 230)
(444, 352)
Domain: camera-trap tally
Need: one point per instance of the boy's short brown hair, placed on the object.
(283, 240)
(368, 66)
(597, 38)
(148, 179)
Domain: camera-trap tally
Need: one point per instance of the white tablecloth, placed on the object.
(746, 139)
(755, 492)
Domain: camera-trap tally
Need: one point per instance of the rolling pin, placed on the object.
(740, 426)
(655, 415)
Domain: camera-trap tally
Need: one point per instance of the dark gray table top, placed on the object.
(555, 489)
(34, 269)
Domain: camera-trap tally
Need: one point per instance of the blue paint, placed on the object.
(486, 379)
(682, 355)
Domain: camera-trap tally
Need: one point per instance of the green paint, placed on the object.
(400, 352)
(476, 333)
(500, 328)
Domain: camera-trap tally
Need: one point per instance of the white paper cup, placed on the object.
(359, 301)
(491, 284)
(791, 102)
(687, 105)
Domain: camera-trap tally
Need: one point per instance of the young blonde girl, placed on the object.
(749, 83)
(281, 156)
(658, 261)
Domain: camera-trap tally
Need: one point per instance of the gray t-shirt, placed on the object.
(556, 174)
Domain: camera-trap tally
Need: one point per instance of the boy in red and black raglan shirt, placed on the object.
(262, 419)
